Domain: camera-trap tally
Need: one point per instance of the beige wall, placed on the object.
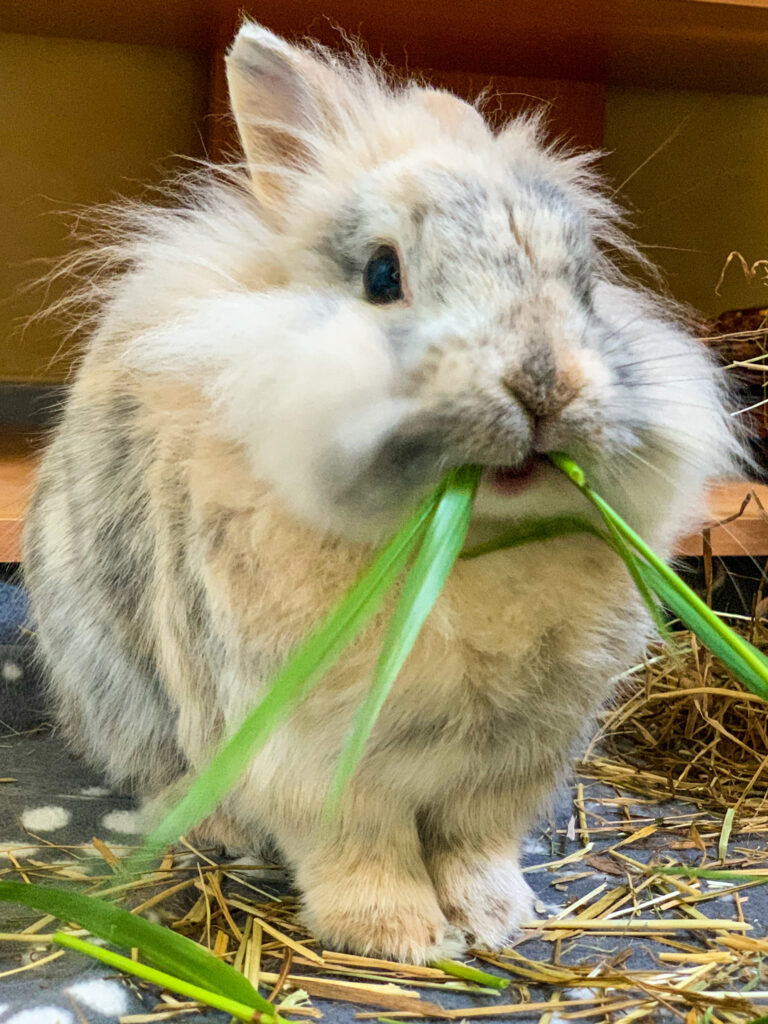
(80, 122)
(704, 194)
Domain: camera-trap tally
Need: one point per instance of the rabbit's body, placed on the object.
(245, 426)
(169, 584)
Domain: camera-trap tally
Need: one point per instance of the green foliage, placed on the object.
(239, 1011)
(303, 669)
(443, 540)
(530, 531)
(749, 665)
(167, 950)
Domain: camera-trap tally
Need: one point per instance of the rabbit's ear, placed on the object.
(284, 101)
(456, 115)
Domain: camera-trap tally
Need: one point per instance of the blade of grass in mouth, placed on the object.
(315, 655)
(529, 531)
(748, 664)
(440, 547)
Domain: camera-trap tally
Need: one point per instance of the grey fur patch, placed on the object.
(122, 549)
(435, 841)
(465, 201)
(420, 733)
(549, 195)
(531, 383)
(414, 457)
(402, 466)
(92, 610)
(345, 243)
(577, 239)
(418, 215)
(214, 529)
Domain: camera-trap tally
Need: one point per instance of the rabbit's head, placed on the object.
(413, 291)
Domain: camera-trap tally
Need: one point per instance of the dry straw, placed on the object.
(684, 727)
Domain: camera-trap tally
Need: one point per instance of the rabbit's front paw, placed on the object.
(376, 913)
(486, 898)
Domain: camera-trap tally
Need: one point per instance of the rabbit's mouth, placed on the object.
(515, 479)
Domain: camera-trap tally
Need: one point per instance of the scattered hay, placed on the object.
(652, 926)
(685, 729)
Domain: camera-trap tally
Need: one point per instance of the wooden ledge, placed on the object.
(745, 535)
(18, 464)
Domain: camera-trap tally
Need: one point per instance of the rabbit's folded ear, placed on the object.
(286, 101)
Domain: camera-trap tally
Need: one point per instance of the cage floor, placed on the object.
(590, 862)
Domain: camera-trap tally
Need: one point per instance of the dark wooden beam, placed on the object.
(717, 44)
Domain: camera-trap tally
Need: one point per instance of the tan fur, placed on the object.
(245, 428)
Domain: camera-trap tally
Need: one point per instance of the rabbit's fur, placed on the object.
(245, 426)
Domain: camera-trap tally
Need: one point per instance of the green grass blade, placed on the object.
(635, 571)
(724, 648)
(303, 668)
(166, 949)
(439, 550)
(715, 874)
(467, 973)
(748, 664)
(531, 530)
(184, 988)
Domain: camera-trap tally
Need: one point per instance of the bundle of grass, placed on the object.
(424, 550)
(431, 540)
(686, 728)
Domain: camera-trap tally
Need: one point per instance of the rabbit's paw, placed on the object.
(486, 898)
(397, 918)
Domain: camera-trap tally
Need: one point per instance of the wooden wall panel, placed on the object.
(575, 110)
(719, 44)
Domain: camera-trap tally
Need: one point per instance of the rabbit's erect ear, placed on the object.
(456, 115)
(284, 100)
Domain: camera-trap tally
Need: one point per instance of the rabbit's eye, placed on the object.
(381, 277)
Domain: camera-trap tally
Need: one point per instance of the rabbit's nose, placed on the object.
(539, 386)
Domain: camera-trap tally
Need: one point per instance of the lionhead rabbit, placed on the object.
(280, 368)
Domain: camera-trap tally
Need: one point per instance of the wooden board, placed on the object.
(718, 44)
(746, 535)
(18, 463)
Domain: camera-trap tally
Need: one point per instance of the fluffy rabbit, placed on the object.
(279, 369)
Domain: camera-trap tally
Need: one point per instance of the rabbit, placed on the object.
(281, 365)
